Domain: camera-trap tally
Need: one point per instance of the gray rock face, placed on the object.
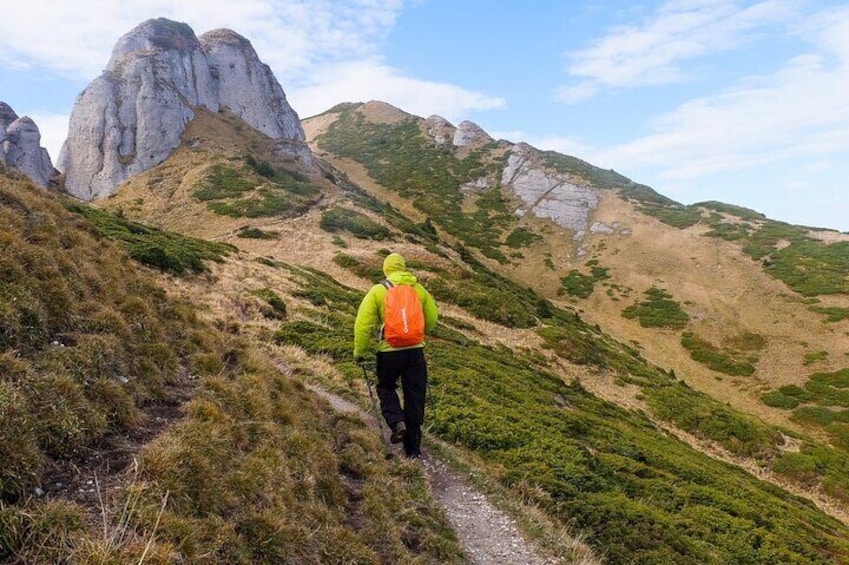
(440, 129)
(469, 133)
(247, 86)
(131, 118)
(20, 147)
(547, 194)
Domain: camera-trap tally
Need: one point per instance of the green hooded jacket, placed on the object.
(371, 312)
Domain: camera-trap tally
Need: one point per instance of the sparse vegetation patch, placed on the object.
(249, 232)
(357, 224)
(579, 285)
(833, 313)
(254, 191)
(522, 237)
(714, 358)
(166, 251)
(658, 311)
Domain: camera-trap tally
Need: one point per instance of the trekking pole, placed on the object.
(377, 414)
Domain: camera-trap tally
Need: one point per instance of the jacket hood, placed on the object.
(395, 269)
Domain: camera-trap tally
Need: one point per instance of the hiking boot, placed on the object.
(399, 430)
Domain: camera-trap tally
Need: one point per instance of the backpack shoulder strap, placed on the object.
(387, 284)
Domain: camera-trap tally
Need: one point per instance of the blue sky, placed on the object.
(746, 102)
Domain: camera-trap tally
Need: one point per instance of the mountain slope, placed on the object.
(508, 363)
(135, 429)
(757, 296)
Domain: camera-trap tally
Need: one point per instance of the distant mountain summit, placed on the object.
(20, 146)
(131, 117)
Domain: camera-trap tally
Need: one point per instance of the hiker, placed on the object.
(402, 318)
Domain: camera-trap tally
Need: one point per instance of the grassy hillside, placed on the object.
(134, 430)
(582, 421)
(743, 299)
(714, 294)
(639, 495)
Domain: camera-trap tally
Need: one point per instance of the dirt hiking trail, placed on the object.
(488, 535)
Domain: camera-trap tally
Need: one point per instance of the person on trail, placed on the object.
(403, 312)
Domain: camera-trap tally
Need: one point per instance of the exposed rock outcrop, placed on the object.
(469, 133)
(440, 129)
(548, 194)
(131, 118)
(20, 147)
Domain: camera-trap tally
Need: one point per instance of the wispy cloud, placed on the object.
(660, 50)
(365, 80)
(75, 38)
(322, 51)
(802, 110)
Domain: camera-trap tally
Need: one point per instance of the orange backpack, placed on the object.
(404, 323)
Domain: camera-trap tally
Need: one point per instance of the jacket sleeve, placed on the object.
(431, 313)
(368, 316)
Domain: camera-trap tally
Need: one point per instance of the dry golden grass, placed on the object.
(724, 292)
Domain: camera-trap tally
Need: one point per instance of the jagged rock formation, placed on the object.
(469, 133)
(20, 147)
(439, 129)
(547, 194)
(131, 118)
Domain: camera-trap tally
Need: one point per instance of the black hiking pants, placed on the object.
(409, 364)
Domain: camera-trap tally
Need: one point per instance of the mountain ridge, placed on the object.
(669, 380)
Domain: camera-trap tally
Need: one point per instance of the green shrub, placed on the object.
(278, 306)
(223, 182)
(834, 314)
(166, 251)
(256, 233)
(581, 285)
(709, 355)
(659, 311)
(814, 357)
(358, 225)
(675, 215)
(522, 237)
(778, 400)
(258, 191)
(813, 415)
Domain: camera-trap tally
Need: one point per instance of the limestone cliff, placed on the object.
(548, 194)
(131, 118)
(20, 146)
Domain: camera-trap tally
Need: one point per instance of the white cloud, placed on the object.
(75, 38)
(801, 110)
(658, 51)
(361, 81)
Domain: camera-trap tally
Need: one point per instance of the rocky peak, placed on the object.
(247, 86)
(20, 146)
(7, 115)
(131, 117)
(158, 34)
(469, 133)
(440, 129)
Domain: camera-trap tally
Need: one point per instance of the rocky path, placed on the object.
(488, 536)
